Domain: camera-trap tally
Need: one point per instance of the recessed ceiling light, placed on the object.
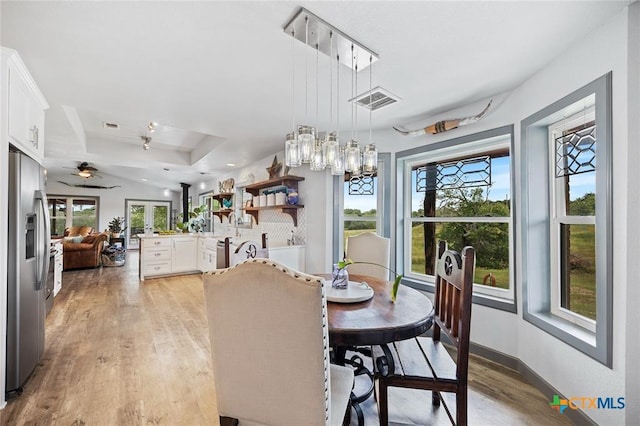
(231, 164)
(144, 179)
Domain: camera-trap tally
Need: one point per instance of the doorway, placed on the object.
(143, 215)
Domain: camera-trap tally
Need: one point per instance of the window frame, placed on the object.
(69, 205)
(405, 161)
(383, 208)
(560, 217)
(536, 223)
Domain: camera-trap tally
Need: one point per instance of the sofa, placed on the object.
(84, 253)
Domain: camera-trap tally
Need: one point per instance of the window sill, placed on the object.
(479, 299)
(568, 332)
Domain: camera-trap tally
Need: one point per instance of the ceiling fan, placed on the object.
(84, 170)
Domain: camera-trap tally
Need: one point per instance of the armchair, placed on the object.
(85, 254)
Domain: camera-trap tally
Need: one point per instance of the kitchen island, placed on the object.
(178, 254)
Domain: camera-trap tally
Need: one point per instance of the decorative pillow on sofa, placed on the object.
(74, 239)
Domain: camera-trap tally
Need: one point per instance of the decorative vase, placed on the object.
(292, 196)
(340, 277)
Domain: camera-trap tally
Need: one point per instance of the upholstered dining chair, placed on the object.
(423, 362)
(269, 346)
(246, 250)
(369, 247)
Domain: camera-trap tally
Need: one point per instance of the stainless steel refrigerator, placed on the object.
(28, 257)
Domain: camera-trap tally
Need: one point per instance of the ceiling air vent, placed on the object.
(107, 125)
(379, 98)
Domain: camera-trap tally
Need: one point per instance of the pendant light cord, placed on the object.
(338, 97)
(352, 92)
(370, 93)
(330, 81)
(306, 71)
(293, 81)
(317, 91)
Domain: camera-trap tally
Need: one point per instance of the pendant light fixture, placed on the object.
(331, 144)
(317, 157)
(292, 154)
(352, 154)
(306, 133)
(306, 146)
(370, 154)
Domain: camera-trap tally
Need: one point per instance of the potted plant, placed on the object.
(116, 226)
(196, 220)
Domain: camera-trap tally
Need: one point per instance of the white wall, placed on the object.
(632, 369)
(112, 201)
(571, 372)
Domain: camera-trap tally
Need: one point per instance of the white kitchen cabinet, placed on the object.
(292, 257)
(207, 254)
(168, 255)
(25, 109)
(185, 254)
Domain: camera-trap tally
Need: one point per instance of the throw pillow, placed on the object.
(74, 239)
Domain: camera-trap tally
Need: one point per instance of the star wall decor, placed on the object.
(274, 170)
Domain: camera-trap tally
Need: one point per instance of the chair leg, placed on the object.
(383, 413)
(461, 406)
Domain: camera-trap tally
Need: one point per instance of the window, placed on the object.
(573, 220)
(361, 205)
(567, 220)
(460, 191)
(66, 211)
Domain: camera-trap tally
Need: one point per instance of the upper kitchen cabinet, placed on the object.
(26, 105)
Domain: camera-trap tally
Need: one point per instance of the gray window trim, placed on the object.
(536, 269)
(402, 156)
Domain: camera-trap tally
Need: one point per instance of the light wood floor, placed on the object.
(123, 352)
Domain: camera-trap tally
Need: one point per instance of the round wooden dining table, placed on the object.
(378, 320)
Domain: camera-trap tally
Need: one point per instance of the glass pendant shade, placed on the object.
(352, 160)
(332, 149)
(369, 159)
(292, 152)
(306, 139)
(337, 168)
(317, 158)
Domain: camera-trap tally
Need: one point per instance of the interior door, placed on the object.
(143, 215)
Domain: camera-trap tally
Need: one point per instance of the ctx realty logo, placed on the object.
(587, 403)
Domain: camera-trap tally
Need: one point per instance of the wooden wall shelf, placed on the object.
(288, 181)
(291, 210)
(222, 212)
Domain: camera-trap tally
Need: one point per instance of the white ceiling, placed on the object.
(217, 76)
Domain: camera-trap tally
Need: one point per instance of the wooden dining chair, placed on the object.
(423, 362)
(369, 247)
(246, 250)
(268, 331)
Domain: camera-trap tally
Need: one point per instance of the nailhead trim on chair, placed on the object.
(325, 337)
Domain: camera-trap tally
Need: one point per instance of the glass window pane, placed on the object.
(465, 201)
(160, 218)
(359, 206)
(136, 219)
(490, 240)
(581, 192)
(578, 269)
